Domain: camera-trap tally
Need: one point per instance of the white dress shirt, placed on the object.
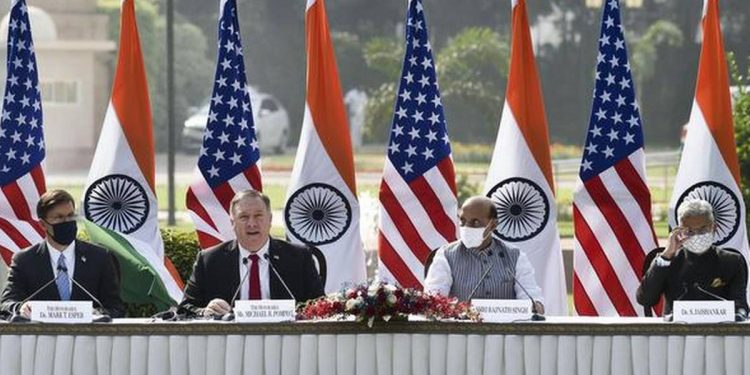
(70, 260)
(265, 289)
(439, 279)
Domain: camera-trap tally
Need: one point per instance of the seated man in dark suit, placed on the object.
(692, 268)
(63, 258)
(218, 271)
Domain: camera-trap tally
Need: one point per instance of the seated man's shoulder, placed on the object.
(729, 255)
(91, 250)
(28, 254)
(289, 248)
(451, 247)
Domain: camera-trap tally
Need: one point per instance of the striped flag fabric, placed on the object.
(21, 140)
(611, 202)
(230, 156)
(519, 180)
(120, 193)
(322, 208)
(418, 205)
(709, 167)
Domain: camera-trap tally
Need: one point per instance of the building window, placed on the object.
(60, 92)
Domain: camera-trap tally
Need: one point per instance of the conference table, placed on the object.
(560, 345)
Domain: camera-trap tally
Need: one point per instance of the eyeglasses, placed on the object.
(61, 219)
(698, 231)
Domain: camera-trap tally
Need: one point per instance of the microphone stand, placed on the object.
(270, 263)
(481, 279)
(739, 316)
(228, 317)
(102, 318)
(535, 315)
(18, 318)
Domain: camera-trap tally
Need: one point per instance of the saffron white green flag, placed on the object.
(709, 167)
(519, 180)
(322, 210)
(120, 196)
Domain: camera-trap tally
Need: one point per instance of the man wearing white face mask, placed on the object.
(480, 264)
(692, 268)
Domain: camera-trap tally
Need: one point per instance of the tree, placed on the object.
(741, 112)
(193, 70)
(472, 69)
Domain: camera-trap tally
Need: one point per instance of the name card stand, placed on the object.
(62, 311)
(703, 311)
(502, 310)
(264, 311)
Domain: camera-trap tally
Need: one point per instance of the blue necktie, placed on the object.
(63, 282)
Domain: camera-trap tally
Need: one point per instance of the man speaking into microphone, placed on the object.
(692, 267)
(61, 268)
(254, 266)
(479, 265)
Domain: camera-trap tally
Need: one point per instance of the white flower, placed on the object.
(353, 303)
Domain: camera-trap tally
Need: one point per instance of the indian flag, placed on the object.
(322, 210)
(519, 180)
(119, 199)
(709, 167)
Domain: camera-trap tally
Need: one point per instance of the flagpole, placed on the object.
(170, 113)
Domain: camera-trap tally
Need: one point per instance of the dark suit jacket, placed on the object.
(718, 271)
(216, 275)
(31, 269)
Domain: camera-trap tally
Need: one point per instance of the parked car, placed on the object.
(271, 124)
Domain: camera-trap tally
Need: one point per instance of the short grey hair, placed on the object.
(695, 208)
(250, 193)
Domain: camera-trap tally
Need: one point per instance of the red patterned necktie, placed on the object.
(254, 277)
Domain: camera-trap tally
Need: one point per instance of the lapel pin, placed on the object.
(83, 259)
(275, 257)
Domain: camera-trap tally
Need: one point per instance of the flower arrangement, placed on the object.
(385, 302)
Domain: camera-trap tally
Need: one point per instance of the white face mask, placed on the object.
(699, 243)
(471, 237)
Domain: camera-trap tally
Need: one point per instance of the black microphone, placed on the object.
(535, 315)
(740, 314)
(103, 318)
(172, 314)
(230, 315)
(481, 279)
(270, 263)
(18, 318)
(684, 292)
(706, 292)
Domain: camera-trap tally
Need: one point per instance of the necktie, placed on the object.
(254, 277)
(63, 281)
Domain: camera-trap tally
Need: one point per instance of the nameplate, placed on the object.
(264, 311)
(703, 311)
(502, 310)
(61, 311)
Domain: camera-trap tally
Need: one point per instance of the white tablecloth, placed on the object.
(374, 353)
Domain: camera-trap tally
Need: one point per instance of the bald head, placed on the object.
(481, 204)
(477, 212)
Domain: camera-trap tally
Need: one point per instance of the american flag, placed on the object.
(21, 140)
(229, 157)
(418, 191)
(611, 203)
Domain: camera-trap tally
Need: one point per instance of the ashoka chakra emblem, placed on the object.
(724, 202)
(116, 202)
(318, 214)
(522, 209)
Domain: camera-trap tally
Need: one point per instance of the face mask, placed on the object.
(64, 233)
(471, 237)
(698, 244)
